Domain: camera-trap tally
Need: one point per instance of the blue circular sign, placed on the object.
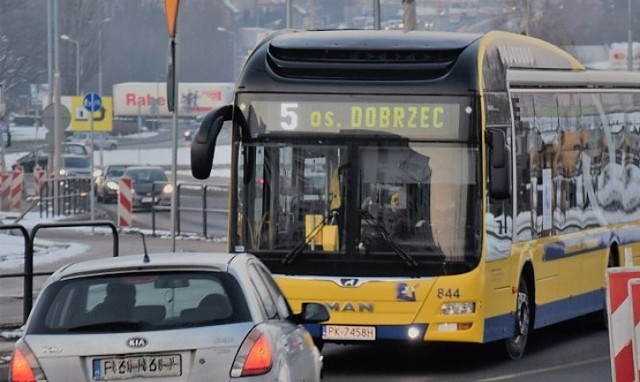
(92, 102)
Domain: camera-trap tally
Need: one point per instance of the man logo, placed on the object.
(349, 282)
(137, 342)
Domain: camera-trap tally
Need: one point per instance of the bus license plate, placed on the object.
(141, 366)
(354, 333)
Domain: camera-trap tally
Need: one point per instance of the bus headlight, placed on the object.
(413, 333)
(451, 308)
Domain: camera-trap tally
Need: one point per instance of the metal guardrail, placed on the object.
(201, 188)
(73, 196)
(29, 238)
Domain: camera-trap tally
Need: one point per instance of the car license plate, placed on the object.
(138, 366)
(354, 333)
(147, 200)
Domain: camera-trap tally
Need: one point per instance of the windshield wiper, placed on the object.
(373, 222)
(290, 257)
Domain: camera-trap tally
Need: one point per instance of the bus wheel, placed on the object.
(516, 344)
(602, 318)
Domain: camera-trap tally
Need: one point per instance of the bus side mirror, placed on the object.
(498, 168)
(204, 143)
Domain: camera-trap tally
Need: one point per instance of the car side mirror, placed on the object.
(314, 312)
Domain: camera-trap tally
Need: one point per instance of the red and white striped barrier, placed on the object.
(16, 189)
(38, 175)
(125, 202)
(633, 287)
(5, 184)
(622, 326)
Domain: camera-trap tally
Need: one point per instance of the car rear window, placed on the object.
(139, 302)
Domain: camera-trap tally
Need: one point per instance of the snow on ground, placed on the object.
(45, 252)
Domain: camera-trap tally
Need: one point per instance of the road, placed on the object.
(191, 212)
(573, 351)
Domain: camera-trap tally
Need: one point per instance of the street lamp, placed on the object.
(100, 54)
(67, 38)
(235, 53)
(629, 38)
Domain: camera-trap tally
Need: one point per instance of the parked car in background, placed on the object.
(40, 155)
(100, 140)
(193, 317)
(107, 183)
(150, 186)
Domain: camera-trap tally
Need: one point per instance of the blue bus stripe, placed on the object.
(556, 250)
(500, 327)
(383, 332)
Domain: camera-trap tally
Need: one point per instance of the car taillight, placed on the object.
(255, 355)
(24, 367)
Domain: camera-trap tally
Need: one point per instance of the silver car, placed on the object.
(174, 317)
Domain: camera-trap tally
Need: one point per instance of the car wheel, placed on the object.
(113, 147)
(516, 344)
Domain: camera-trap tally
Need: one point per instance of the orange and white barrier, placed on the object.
(16, 189)
(38, 175)
(5, 184)
(125, 202)
(623, 323)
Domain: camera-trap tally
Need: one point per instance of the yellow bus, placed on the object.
(430, 186)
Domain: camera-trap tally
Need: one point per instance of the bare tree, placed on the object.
(22, 46)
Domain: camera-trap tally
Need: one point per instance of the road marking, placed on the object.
(548, 369)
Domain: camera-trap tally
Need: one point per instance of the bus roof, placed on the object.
(394, 61)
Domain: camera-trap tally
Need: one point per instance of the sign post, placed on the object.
(171, 10)
(92, 103)
(2, 111)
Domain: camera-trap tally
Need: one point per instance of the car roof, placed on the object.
(167, 260)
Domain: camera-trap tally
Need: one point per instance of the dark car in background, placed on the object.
(150, 186)
(107, 184)
(75, 165)
(40, 155)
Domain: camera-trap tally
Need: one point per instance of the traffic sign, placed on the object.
(92, 102)
(81, 118)
(47, 116)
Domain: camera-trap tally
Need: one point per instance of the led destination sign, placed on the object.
(430, 120)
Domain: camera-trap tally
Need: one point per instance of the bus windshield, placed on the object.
(308, 204)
